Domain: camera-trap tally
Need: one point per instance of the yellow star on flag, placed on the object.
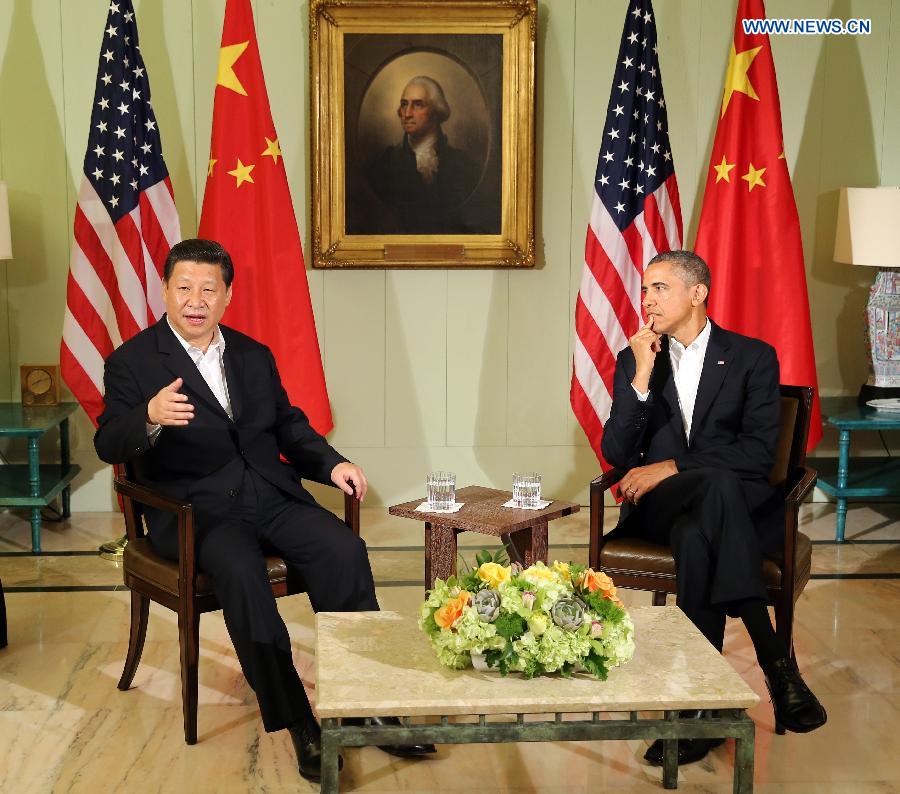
(242, 173)
(273, 150)
(736, 78)
(722, 170)
(227, 57)
(781, 156)
(212, 164)
(754, 177)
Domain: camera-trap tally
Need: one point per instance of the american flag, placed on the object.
(125, 219)
(635, 214)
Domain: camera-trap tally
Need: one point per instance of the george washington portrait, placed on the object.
(423, 134)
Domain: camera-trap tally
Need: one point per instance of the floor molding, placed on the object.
(110, 588)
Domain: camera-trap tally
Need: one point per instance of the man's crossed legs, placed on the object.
(333, 566)
(718, 527)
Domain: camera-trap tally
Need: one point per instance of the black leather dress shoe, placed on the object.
(796, 708)
(308, 746)
(400, 750)
(689, 750)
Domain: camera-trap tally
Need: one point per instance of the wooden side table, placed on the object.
(845, 477)
(31, 484)
(524, 532)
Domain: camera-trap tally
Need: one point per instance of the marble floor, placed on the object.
(64, 727)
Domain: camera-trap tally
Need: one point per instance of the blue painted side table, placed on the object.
(31, 484)
(850, 478)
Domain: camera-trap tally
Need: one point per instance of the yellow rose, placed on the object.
(448, 614)
(562, 568)
(493, 573)
(541, 573)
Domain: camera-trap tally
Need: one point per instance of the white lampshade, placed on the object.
(5, 239)
(868, 227)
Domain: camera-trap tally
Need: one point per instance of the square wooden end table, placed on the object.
(524, 532)
(379, 664)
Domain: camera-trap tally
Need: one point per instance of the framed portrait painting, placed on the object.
(422, 133)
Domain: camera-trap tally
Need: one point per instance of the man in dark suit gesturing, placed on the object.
(695, 420)
(199, 411)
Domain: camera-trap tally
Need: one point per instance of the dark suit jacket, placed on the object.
(736, 415)
(419, 207)
(203, 462)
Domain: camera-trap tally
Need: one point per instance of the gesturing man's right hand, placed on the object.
(645, 345)
(169, 407)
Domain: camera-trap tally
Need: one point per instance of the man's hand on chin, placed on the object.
(643, 479)
(350, 478)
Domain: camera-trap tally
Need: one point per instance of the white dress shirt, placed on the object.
(211, 365)
(687, 366)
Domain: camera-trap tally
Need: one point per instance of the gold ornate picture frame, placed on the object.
(422, 130)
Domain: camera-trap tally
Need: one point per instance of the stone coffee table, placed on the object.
(379, 664)
(524, 532)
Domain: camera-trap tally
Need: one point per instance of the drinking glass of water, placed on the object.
(441, 489)
(526, 489)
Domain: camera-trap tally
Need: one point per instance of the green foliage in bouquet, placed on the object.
(541, 619)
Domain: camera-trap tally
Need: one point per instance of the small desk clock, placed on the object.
(40, 384)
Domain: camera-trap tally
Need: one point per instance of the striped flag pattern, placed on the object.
(636, 213)
(125, 218)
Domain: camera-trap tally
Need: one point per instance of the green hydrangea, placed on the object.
(511, 600)
(553, 649)
(617, 642)
(469, 635)
(452, 659)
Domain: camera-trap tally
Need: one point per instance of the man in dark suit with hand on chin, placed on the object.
(695, 419)
(199, 411)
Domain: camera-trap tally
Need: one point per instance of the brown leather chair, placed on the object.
(180, 586)
(637, 564)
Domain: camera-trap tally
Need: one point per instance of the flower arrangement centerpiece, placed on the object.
(541, 619)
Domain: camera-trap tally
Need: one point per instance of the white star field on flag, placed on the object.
(635, 159)
(124, 152)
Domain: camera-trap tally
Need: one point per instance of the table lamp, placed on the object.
(868, 233)
(5, 238)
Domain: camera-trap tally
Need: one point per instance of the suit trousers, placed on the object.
(330, 560)
(710, 518)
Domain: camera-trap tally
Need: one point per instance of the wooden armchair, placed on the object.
(640, 565)
(180, 586)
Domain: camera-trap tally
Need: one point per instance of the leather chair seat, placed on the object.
(141, 561)
(637, 556)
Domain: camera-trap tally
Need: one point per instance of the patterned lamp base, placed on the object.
(883, 312)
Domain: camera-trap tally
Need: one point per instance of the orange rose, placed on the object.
(593, 581)
(448, 614)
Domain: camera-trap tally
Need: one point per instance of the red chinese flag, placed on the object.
(749, 230)
(247, 208)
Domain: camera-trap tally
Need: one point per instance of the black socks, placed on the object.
(755, 614)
